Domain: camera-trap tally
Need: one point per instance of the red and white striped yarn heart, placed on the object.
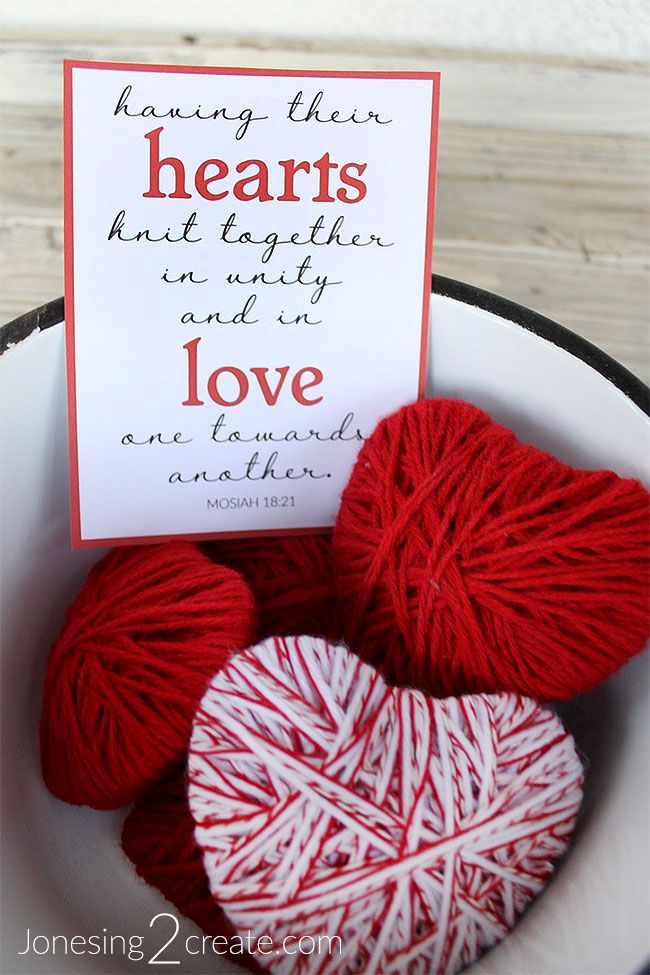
(330, 804)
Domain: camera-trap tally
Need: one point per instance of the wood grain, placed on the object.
(543, 183)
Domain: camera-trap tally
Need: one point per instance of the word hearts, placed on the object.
(255, 178)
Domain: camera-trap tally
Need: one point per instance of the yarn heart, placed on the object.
(466, 561)
(383, 829)
(292, 580)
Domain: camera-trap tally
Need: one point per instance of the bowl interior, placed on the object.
(63, 870)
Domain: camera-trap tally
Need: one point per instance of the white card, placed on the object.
(247, 285)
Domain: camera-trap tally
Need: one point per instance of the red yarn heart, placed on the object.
(292, 580)
(158, 838)
(140, 642)
(329, 805)
(466, 561)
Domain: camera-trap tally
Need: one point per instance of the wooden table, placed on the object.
(544, 172)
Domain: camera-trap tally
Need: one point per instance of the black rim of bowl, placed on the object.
(53, 312)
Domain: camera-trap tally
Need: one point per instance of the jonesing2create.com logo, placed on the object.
(166, 944)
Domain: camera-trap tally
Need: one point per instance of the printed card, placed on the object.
(247, 285)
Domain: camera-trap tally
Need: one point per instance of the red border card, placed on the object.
(70, 66)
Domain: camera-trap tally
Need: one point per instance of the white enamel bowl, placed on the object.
(63, 872)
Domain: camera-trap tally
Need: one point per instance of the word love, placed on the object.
(230, 385)
(255, 180)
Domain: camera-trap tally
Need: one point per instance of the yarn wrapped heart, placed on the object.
(158, 839)
(292, 580)
(149, 628)
(409, 831)
(466, 561)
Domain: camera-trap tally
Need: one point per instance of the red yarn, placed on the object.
(158, 838)
(291, 579)
(151, 625)
(466, 561)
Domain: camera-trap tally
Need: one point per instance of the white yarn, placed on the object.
(327, 803)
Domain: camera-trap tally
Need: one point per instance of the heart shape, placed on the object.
(466, 561)
(412, 829)
(291, 578)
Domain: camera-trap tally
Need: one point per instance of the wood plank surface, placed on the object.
(543, 187)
